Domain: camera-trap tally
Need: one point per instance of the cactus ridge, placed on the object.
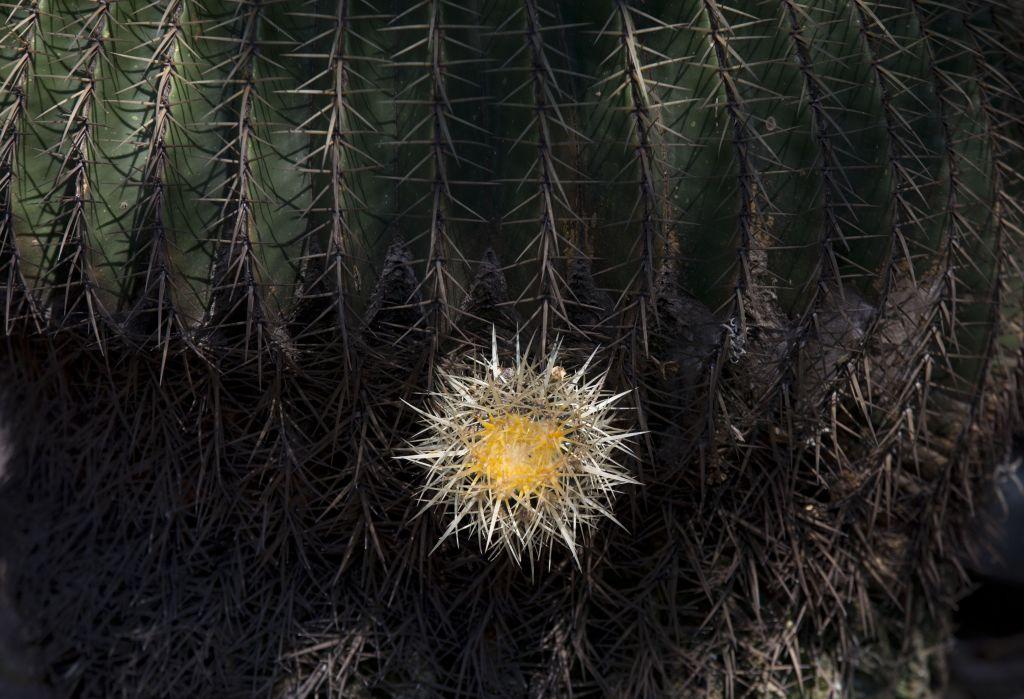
(241, 241)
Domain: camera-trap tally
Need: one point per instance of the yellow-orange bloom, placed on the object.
(521, 455)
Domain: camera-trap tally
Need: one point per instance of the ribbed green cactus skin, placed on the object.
(238, 236)
(186, 157)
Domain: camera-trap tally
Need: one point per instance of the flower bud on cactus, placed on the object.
(522, 456)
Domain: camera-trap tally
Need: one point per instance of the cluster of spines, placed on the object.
(524, 456)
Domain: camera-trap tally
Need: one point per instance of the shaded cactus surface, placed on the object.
(240, 241)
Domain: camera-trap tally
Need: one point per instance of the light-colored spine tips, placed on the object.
(522, 456)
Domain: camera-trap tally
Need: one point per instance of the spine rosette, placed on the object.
(522, 456)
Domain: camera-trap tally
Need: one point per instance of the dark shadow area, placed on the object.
(20, 676)
(987, 656)
(238, 530)
(995, 609)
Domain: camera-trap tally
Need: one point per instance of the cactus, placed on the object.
(253, 254)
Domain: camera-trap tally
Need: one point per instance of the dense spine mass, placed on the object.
(240, 239)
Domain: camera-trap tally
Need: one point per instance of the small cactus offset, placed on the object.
(504, 347)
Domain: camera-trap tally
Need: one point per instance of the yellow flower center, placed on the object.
(518, 456)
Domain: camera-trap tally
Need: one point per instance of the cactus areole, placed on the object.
(514, 348)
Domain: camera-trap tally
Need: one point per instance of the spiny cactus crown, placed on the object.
(522, 455)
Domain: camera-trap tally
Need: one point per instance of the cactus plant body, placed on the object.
(252, 257)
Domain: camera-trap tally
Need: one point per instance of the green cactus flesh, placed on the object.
(241, 239)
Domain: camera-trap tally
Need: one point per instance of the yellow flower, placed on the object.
(517, 456)
(522, 456)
